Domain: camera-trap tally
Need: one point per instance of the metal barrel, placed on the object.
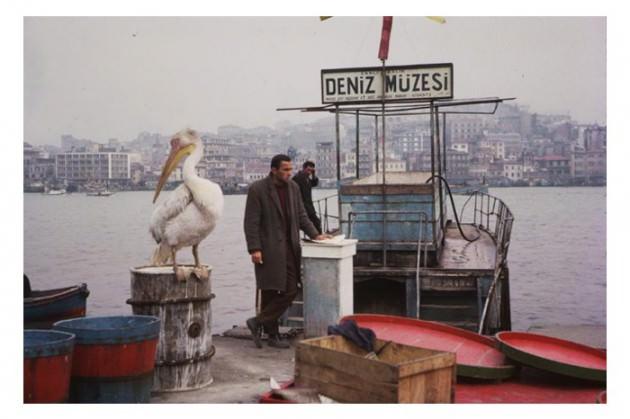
(114, 357)
(185, 349)
(47, 365)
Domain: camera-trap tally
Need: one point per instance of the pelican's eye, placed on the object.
(175, 142)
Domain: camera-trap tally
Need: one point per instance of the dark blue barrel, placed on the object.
(114, 357)
(47, 365)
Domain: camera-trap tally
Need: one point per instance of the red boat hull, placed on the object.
(477, 356)
(556, 355)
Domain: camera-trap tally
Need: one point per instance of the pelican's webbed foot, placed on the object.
(201, 272)
(180, 274)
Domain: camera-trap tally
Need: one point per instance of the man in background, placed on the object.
(307, 180)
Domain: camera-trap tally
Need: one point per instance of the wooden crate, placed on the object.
(337, 368)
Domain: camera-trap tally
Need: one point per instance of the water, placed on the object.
(557, 257)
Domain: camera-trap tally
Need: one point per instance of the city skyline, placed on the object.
(101, 78)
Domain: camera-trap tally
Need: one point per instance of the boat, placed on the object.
(56, 192)
(415, 257)
(555, 355)
(530, 385)
(465, 189)
(476, 356)
(42, 308)
(100, 193)
(34, 187)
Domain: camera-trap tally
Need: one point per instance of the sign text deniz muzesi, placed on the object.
(428, 81)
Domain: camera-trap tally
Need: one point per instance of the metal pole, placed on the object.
(357, 155)
(444, 140)
(338, 162)
(338, 143)
(432, 129)
(376, 131)
(440, 161)
(383, 124)
(384, 160)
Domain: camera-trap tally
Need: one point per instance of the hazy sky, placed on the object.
(101, 78)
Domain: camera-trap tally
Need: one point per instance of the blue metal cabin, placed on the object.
(412, 259)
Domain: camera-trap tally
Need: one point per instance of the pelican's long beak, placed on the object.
(177, 154)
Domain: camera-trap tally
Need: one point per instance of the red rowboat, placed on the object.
(556, 355)
(476, 356)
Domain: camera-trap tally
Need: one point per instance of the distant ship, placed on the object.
(56, 192)
(100, 193)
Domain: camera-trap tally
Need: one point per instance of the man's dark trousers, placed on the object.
(274, 303)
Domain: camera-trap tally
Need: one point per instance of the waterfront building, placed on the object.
(588, 163)
(255, 169)
(411, 143)
(393, 165)
(38, 165)
(464, 129)
(349, 164)
(513, 171)
(461, 147)
(556, 167)
(99, 166)
(457, 165)
(326, 163)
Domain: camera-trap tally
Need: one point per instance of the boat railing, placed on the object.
(423, 222)
(493, 216)
(329, 221)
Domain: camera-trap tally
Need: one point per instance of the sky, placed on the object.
(114, 77)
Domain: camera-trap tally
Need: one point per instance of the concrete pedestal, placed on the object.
(328, 284)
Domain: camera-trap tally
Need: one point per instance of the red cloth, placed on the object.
(383, 51)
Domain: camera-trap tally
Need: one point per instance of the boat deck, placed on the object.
(458, 253)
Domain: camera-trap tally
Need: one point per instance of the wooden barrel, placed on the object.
(114, 358)
(185, 348)
(47, 365)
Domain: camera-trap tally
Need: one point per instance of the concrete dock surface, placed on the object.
(242, 372)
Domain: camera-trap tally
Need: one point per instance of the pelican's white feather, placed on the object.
(192, 210)
(174, 205)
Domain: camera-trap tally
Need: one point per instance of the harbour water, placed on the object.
(557, 255)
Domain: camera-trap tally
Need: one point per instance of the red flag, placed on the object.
(383, 51)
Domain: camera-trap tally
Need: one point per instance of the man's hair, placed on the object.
(277, 160)
(308, 163)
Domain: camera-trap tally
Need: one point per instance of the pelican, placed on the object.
(190, 212)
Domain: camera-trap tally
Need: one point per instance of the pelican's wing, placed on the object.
(174, 205)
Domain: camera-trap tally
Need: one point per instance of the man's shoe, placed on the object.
(276, 342)
(254, 327)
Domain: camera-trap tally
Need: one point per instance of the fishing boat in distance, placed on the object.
(468, 189)
(100, 193)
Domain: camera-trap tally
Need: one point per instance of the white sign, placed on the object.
(413, 82)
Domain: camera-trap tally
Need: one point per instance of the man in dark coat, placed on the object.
(274, 215)
(307, 180)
